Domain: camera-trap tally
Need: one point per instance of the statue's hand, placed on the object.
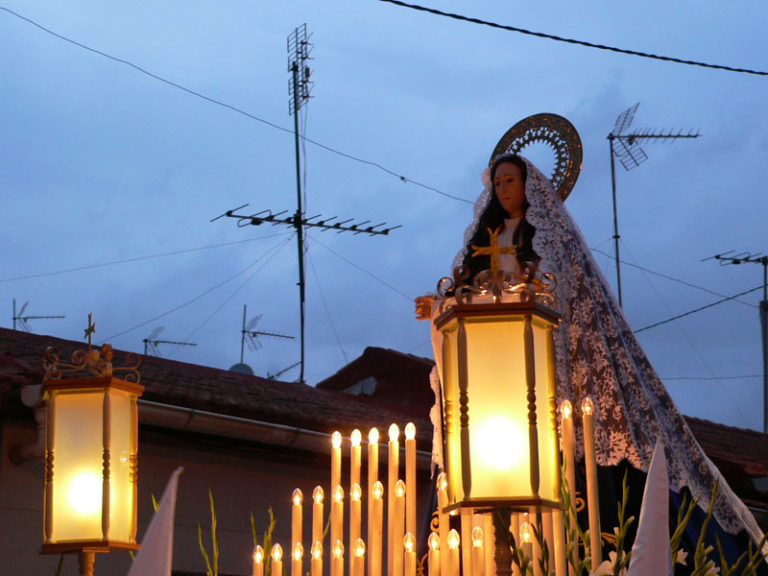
(424, 307)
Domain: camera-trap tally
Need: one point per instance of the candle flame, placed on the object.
(317, 550)
(338, 549)
(373, 435)
(378, 489)
(394, 433)
(410, 431)
(298, 497)
(359, 548)
(477, 537)
(399, 489)
(453, 539)
(258, 555)
(356, 437)
(298, 551)
(336, 439)
(409, 542)
(587, 406)
(525, 532)
(318, 495)
(356, 493)
(338, 493)
(434, 541)
(277, 553)
(566, 409)
(442, 481)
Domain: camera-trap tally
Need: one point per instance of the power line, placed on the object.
(231, 107)
(135, 259)
(699, 309)
(714, 377)
(573, 41)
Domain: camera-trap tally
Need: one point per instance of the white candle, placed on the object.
(355, 515)
(258, 561)
(317, 514)
(443, 525)
(277, 560)
(335, 460)
(410, 478)
(398, 532)
(373, 477)
(316, 563)
(537, 547)
(593, 502)
(566, 410)
(296, 559)
(526, 538)
(337, 562)
(433, 557)
(409, 546)
(393, 465)
(453, 553)
(514, 527)
(357, 565)
(478, 552)
(354, 457)
(337, 514)
(296, 527)
(377, 533)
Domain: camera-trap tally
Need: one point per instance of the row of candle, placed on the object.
(401, 511)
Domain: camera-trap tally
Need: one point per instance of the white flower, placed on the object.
(681, 557)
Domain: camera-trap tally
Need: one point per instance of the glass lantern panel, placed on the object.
(121, 487)
(545, 416)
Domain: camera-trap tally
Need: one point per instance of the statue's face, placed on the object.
(510, 189)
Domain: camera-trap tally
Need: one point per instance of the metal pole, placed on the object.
(297, 221)
(242, 336)
(14, 313)
(764, 330)
(615, 220)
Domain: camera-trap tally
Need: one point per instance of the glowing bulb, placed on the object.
(356, 437)
(338, 493)
(442, 481)
(318, 495)
(501, 443)
(525, 532)
(298, 497)
(258, 555)
(359, 548)
(453, 539)
(336, 439)
(277, 553)
(587, 406)
(477, 536)
(409, 542)
(394, 433)
(317, 550)
(378, 489)
(298, 551)
(566, 409)
(399, 488)
(373, 436)
(410, 431)
(85, 492)
(434, 541)
(338, 549)
(355, 493)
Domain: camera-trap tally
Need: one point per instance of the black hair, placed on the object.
(493, 217)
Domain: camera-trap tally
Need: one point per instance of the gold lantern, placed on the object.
(91, 454)
(498, 398)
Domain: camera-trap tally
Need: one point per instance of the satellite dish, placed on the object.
(241, 368)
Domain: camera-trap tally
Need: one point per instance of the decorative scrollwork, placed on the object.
(559, 134)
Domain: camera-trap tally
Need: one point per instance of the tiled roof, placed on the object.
(746, 448)
(214, 390)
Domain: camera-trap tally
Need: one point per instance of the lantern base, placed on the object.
(96, 546)
(481, 505)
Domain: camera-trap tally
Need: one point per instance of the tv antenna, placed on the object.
(151, 342)
(300, 87)
(731, 259)
(627, 149)
(22, 321)
(283, 371)
(251, 335)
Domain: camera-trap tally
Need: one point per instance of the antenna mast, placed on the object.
(22, 320)
(631, 156)
(151, 342)
(728, 258)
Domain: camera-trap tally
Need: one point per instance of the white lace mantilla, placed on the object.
(599, 356)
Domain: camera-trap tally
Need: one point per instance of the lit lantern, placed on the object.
(90, 455)
(498, 401)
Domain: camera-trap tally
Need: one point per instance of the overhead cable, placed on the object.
(573, 41)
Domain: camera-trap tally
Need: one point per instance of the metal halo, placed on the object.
(561, 136)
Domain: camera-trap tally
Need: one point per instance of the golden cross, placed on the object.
(91, 328)
(493, 250)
